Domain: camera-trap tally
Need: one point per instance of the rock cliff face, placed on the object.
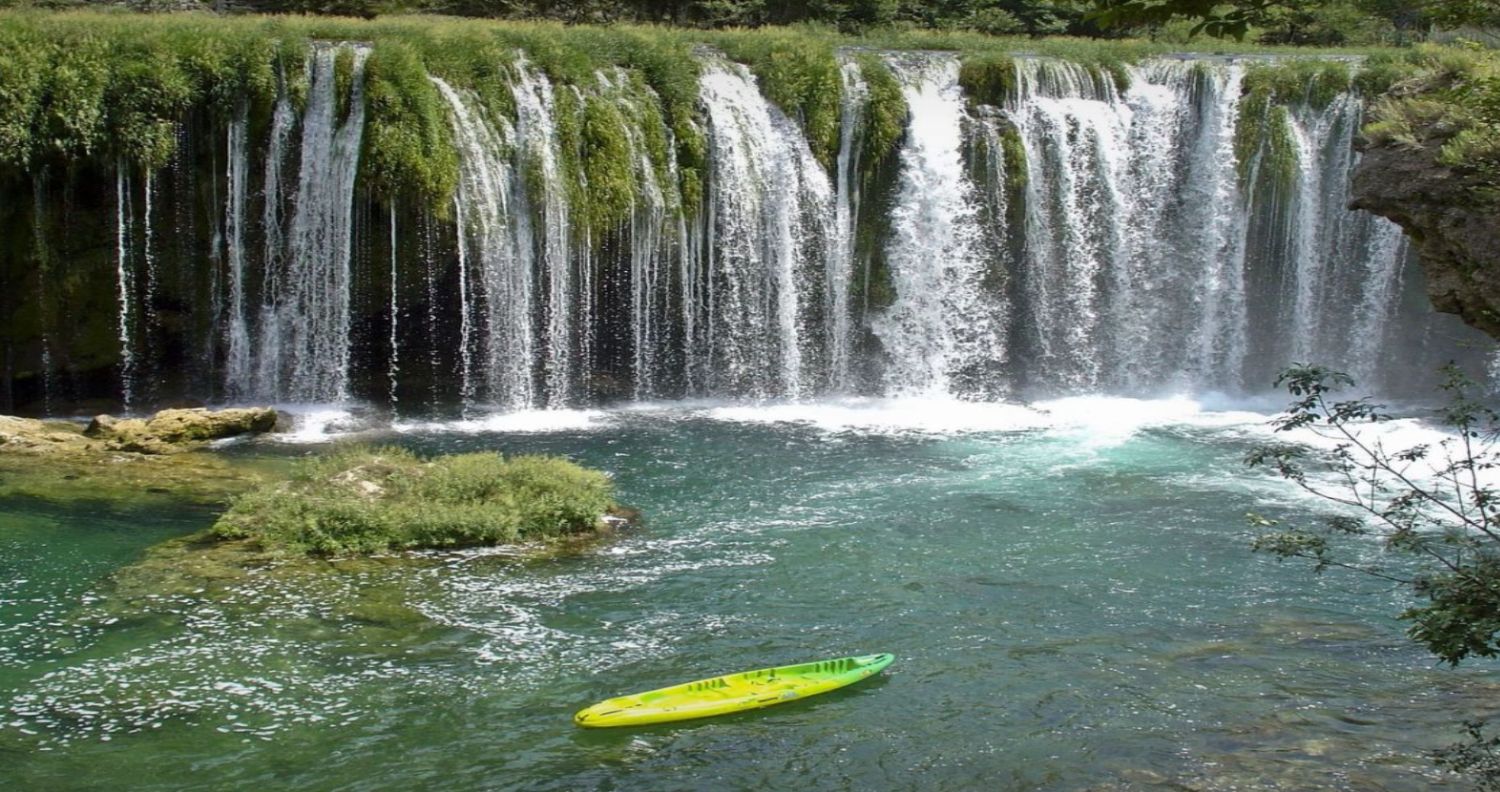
(1454, 223)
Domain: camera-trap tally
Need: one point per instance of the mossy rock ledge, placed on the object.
(360, 501)
(1452, 217)
(125, 461)
(167, 432)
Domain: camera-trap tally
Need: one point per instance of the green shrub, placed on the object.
(366, 500)
(989, 78)
(408, 141)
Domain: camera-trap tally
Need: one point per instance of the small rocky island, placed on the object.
(353, 500)
(363, 500)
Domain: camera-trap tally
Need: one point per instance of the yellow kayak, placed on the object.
(732, 692)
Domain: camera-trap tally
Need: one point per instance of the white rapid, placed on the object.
(944, 334)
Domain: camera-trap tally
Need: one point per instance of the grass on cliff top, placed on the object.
(113, 87)
(1446, 99)
(364, 500)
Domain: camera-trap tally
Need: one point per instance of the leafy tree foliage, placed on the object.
(1319, 22)
(1436, 507)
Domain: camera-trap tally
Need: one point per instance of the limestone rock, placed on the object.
(28, 435)
(1454, 223)
(171, 431)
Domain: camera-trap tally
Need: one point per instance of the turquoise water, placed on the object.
(1070, 596)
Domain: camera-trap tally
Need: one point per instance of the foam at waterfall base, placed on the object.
(1097, 418)
(521, 422)
(1092, 422)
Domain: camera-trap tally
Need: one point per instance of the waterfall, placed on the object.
(1136, 229)
(237, 357)
(495, 249)
(1216, 335)
(1077, 136)
(304, 338)
(654, 228)
(124, 283)
(1379, 289)
(944, 333)
(43, 274)
(148, 259)
(1326, 233)
(1142, 253)
(545, 222)
(261, 366)
(393, 365)
(846, 213)
(769, 207)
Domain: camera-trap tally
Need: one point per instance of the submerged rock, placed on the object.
(127, 460)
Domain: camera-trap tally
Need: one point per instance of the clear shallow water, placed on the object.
(1069, 593)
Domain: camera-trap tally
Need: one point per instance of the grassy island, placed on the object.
(366, 500)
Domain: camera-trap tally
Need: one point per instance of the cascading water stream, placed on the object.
(304, 339)
(237, 356)
(1137, 270)
(261, 365)
(495, 250)
(655, 226)
(124, 284)
(1076, 133)
(944, 333)
(44, 274)
(838, 329)
(393, 364)
(769, 209)
(1095, 233)
(547, 214)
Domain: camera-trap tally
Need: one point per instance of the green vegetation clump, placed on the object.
(1449, 102)
(1263, 129)
(366, 500)
(1315, 83)
(408, 141)
(989, 78)
(1017, 173)
(885, 111)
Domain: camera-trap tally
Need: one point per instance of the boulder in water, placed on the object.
(172, 431)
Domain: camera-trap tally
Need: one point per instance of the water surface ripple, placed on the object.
(1069, 593)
